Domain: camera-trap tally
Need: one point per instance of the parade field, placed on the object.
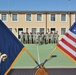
(40, 52)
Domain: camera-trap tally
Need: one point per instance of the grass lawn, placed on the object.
(40, 52)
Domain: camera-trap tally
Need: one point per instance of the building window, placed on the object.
(52, 30)
(26, 29)
(41, 30)
(33, 30)
(63, 31)
(4, 17)
(28, 17)
(63, 17)
(52, 18)
(14, 17)
(75, 17)
(39, 17)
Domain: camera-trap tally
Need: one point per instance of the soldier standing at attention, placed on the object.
(21, 37)
(43, 38)
(37, 38)
(26, 38)
(47, 38)
(51, 37)
(34, 37)
(30, 38)
(48, 33)
(56, 37)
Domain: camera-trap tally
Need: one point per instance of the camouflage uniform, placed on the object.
(26, 37)
(34, 38)
(43, 38)
(56, 37)
(47, 38)
(30, 38)
(37, 38)
(51, 38)
(21, 37)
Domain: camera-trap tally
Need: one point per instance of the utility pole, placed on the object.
(46, 23)
(9, 6)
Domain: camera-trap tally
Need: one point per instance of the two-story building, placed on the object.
(36, 21)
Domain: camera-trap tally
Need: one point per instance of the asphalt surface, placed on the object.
(52, 71)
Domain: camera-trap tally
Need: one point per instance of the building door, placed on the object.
(20, 30)
(52, 30)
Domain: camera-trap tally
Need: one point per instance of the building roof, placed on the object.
(16, 11)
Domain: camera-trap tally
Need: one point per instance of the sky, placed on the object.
(38, 5)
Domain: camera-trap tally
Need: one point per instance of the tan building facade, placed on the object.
(36, 21)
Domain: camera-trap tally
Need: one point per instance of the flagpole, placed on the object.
(49, 56)
(41, 69)
(32, 57)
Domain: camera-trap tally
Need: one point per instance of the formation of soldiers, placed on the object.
(39, 38)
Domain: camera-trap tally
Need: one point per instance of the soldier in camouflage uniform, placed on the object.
(56, 37)
(34, 38)
(30, 38)
(51, 37)
(37, 38)
(43, 38)
(21, 37)
(26, 37)
(47, 38)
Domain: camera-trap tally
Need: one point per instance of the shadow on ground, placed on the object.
(52, 71)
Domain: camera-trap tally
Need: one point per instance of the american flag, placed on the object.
(68, 42)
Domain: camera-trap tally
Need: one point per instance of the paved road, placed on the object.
(52, 71)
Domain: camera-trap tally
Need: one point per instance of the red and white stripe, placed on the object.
(68, 44)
